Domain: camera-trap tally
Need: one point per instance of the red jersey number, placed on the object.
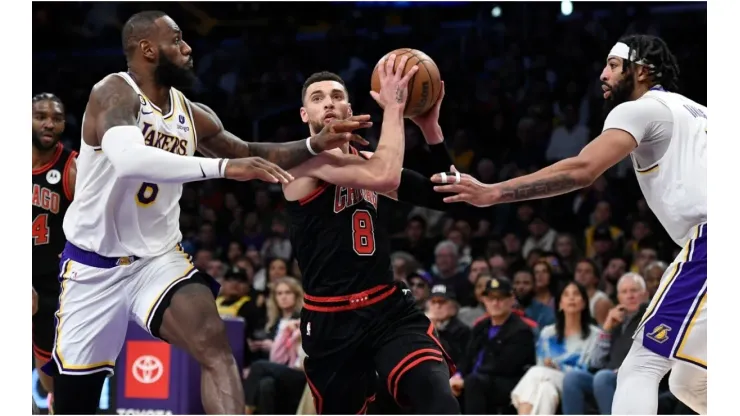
(363, 233)
(41, 230)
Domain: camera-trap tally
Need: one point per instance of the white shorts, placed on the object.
(100, 295)
(675, 323)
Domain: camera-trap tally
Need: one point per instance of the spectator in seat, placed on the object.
(500, 350)
(442, 310)
(235, 300)
(609, 351)
(524, 291)
(562, 347)
(420, 283)
(587, 275)
(653, 273)
(470, 314)
(285, 303)
(545, 285)
(275, 386)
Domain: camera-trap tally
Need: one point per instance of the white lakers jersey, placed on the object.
(117, 217)
(675, 187)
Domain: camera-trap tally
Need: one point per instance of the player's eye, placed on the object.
(177, 41)
(316, 98)
(338, 97)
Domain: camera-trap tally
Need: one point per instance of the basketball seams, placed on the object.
(422, 64)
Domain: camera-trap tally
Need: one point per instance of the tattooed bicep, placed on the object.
(113, 103)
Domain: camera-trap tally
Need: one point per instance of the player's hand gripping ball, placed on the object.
(424, 87)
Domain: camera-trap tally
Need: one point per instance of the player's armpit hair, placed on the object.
(113, 103)
(419, 190)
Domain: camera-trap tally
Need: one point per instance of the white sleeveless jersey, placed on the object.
(675, 187)
(117, 217)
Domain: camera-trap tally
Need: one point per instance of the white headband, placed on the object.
(621, 50)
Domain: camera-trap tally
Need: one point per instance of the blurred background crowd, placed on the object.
(522, 91)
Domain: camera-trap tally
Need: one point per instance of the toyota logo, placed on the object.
(147, 369)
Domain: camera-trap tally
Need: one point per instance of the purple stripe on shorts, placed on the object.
(680, 298)
(88, 258)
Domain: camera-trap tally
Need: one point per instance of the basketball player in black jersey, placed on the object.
(361, 330)
(54, 172)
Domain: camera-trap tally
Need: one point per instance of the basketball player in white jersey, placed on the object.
(665, 134)
(122, 259)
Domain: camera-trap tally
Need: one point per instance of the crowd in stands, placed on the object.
(536, 302)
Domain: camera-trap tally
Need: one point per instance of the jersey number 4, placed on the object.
(41, 230)
(363, 233)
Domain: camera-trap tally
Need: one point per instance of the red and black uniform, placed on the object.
(51, 198)
(357, 324)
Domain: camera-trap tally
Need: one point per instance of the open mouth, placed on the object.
(47, 136)
(607, 91)
(328, 117)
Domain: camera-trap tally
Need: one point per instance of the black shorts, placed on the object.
(356, 343)
(44, 324)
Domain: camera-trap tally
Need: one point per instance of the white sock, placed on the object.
(638, 380)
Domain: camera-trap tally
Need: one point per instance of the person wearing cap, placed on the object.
(234, 301)
(442, 308)
(420, 283)
(500, 351)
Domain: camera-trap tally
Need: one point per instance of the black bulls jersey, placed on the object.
(340, 247)
(51, 198)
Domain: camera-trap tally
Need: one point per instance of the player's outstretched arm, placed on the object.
(570, 174)
(215, 141)
(381, 172)
(112, 108)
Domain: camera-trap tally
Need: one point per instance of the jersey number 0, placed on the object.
(363, 233)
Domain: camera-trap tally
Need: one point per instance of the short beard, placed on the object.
(170, 75)
(619, 94)
(316, 126)
(39, 144)
(526, 299)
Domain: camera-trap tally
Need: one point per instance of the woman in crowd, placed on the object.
(275, 386)
(285, 303)
(544, 284)
(562, 347)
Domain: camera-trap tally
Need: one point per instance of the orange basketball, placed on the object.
(424, 87)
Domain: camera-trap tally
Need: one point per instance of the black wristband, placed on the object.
(441, 159)
(419, 190)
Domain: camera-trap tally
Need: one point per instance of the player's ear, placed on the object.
(641, 73)
(304, 115)
(349, 110)
(148, 49)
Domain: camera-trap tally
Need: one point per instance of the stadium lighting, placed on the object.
(566, 7)
(496, 12)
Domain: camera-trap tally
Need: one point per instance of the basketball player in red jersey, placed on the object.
(54, 172)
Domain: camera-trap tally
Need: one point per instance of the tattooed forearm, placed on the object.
(400, 95)
(285, 155)
(539, 189)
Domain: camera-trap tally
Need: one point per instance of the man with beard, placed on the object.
(357, 324)
(665, 134)
(524, 292)
(54, 172)
(122, 258)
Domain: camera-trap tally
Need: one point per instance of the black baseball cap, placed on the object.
(237, 274)
(500, 285)
(602, 233)
(441, 291)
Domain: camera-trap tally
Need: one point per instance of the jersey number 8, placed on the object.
(147, 194)
(363, 233)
